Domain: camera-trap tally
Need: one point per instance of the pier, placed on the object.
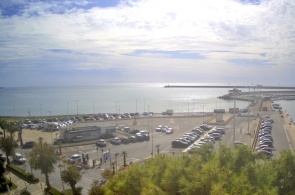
(230, 86)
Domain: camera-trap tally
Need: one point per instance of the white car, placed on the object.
(75, 158)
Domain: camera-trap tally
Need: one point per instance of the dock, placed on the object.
(230, 86)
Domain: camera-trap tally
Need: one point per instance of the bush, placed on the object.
(30, 178)
(25, 192)
(4, 183)
(53, 191)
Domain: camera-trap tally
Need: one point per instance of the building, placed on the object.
(87, 132)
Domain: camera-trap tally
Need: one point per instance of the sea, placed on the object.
(116, 98)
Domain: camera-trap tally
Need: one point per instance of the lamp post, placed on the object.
(188, 108)
(77, 106)
(93, 108)
(41, 110)
(67, 108)
(203, 113)
(248, 113)
(116, 161)
(234, 130)
(62, 183)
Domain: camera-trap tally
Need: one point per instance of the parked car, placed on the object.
(134, 131)
(18, 158)
(101, 143)
(75, 158)
(125, 140)
(29, 144)
(133, 139)
(179, 144)
(116, 141)
(169, 131)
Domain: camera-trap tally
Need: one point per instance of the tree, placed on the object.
(72, 176)
(205, 172)
(2, 170)
(42, 157)
(12, 128)
(96, 189)
(3, 126)
(8, 147)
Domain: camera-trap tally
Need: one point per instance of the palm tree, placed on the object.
(12, 128)
(42, 157)
(8, 146)
(3, 126)
(72, 176)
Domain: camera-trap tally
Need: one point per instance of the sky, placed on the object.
(88, 42)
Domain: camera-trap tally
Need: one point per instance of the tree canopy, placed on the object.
(206, 172)
(72, 176)
(42, 157)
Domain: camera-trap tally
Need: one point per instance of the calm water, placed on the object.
(110, 98)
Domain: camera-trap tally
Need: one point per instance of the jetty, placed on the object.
(230, 86)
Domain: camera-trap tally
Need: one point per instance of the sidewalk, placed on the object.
(34, 189)
(290, 129)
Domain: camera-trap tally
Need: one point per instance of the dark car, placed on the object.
(125, 140)
(179, 144)
(134, 131)
(140, 137)
(29, 144)
(133, 139)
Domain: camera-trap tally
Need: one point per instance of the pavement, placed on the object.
(38, 188)
(34, 189)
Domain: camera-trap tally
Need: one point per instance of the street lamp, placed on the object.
(93, 108)
(41, 110)
(77, 106)
(116, 160)
(203, 113)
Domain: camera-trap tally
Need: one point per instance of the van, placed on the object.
(17, 157)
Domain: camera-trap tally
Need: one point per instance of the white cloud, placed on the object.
(220, 30)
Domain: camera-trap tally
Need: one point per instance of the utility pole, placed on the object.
(77, 106)
(248, 113)
(234, 133)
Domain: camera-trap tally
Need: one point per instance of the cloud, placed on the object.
(135, 37)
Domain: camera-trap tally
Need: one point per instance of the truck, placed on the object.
(51, 126)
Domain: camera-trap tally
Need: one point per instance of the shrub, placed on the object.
(53, 191)
(22, 174)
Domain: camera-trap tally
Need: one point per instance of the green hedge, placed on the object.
(53, 191)
(28, 177)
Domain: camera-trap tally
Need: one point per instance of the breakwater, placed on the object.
(229, 86)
